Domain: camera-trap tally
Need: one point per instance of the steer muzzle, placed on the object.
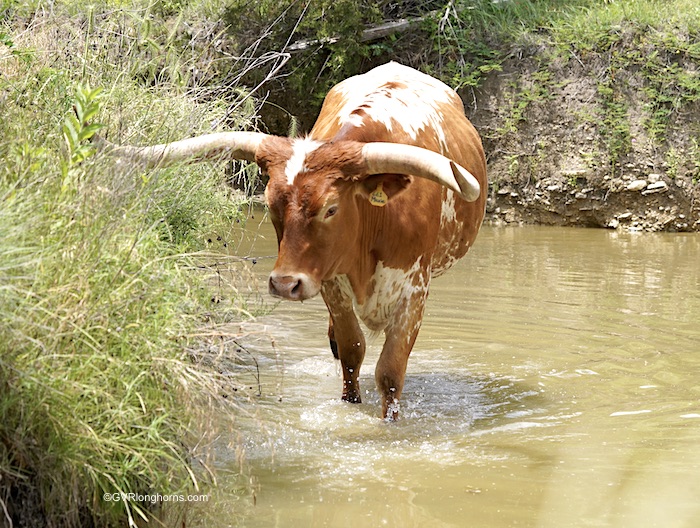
(293, 287)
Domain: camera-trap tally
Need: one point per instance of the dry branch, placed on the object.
(369, 34)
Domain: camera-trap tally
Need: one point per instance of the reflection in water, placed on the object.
(554, 383)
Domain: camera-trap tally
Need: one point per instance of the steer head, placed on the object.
(312, 189)
(311, 196)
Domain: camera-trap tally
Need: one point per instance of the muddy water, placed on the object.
(555, 383)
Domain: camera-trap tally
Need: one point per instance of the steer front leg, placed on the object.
(345, 332)
(401, 334)
(331, 338)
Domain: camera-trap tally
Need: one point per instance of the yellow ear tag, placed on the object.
(378, 197)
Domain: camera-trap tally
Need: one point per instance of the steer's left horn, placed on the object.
(234, 145)
(407, 159)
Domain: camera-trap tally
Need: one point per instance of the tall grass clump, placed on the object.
(100, 393)
(474, 37)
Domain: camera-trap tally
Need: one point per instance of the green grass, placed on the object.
(103, 278)
(642, 53)
(603, 21)
(473, 38)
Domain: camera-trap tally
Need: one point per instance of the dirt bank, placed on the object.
(551, 150)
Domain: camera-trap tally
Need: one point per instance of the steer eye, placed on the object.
(330, 211)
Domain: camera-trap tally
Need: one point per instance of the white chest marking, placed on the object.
(389, 287)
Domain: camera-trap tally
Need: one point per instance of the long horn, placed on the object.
(234, 145)
(407, 159)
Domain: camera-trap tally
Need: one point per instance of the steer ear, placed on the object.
(379, 189)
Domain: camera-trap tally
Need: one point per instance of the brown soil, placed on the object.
(552, 167)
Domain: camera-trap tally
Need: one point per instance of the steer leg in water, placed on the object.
(331, 338)
(401, 334)
(345, 331)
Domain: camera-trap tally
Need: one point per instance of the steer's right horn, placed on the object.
(234, 145)
(407, 159)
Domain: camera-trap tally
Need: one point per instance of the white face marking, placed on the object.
(295, 165)
(414, 107)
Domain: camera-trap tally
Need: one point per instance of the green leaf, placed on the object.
(88, 131)
(79, 110)
(89, 113)
(70, 131)
(95, 93)
(77, 128)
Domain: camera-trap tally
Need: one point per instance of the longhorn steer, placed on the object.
(386, 192)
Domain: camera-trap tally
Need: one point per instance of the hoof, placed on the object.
(352, 398)
(391, 413)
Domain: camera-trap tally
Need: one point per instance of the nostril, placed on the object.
(287, 286)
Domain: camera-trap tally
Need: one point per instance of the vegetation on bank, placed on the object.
(642, 53)
(106, 382)
(596, 122)
(625, 71)
(103, 277)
